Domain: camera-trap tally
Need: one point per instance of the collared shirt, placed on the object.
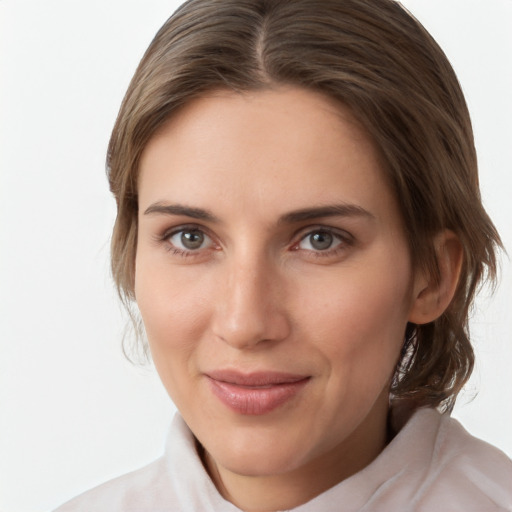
(431, 465)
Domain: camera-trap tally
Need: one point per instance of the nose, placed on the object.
(251, 306)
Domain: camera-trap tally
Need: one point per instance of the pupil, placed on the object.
(192, 239)
(321, 240)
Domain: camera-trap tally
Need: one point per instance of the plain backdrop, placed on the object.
(73, 411)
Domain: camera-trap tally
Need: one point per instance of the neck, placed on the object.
(268, 493)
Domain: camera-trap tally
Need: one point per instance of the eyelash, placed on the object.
(345, 240)
(166, 236)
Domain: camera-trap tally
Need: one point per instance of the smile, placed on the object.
(255, 393)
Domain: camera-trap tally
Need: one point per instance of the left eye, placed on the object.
(320, 240)
(190, 240)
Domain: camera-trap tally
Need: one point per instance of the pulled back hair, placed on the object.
(375, 58)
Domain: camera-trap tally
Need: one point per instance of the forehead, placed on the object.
(285, 148)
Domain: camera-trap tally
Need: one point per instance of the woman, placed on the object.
(300, 226)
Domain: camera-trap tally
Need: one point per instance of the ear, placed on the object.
(431, 297)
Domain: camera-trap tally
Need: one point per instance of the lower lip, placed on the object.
(253, 401)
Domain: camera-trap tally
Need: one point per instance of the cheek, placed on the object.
(174, 313)
(173, 310)
(359, 319)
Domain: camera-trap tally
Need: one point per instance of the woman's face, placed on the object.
(274, 280)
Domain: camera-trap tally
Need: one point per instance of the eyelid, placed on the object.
(345, 238)
(337, 232)
(164, 238)
(344, 242)
(168, 232)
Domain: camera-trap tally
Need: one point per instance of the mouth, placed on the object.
(255, 393)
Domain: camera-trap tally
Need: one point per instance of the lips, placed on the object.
(255, 393)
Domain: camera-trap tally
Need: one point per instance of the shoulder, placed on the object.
(465, 471)
(176, 481)
(147, 488)
(135, 491)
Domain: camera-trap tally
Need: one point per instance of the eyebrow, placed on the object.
(178, 209)
(305, 214)
(335, 210)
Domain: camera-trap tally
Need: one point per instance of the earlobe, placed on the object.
(432, 296)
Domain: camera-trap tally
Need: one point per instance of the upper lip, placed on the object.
(256, 378)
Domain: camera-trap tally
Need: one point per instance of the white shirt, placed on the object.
(431, 465)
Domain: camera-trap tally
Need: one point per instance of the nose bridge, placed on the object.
(250, 309)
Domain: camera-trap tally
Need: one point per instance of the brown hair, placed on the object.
(372, 56)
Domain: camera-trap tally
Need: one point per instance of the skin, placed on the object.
(256, 292)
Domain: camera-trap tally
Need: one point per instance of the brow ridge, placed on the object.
(179, 209)
(335, 210)
(301, 215)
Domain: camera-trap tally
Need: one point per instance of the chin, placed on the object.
(258, 463)
(258, 453)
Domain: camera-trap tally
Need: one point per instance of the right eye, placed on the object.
(188, 240)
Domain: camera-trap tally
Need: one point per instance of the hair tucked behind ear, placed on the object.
(372, 56)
